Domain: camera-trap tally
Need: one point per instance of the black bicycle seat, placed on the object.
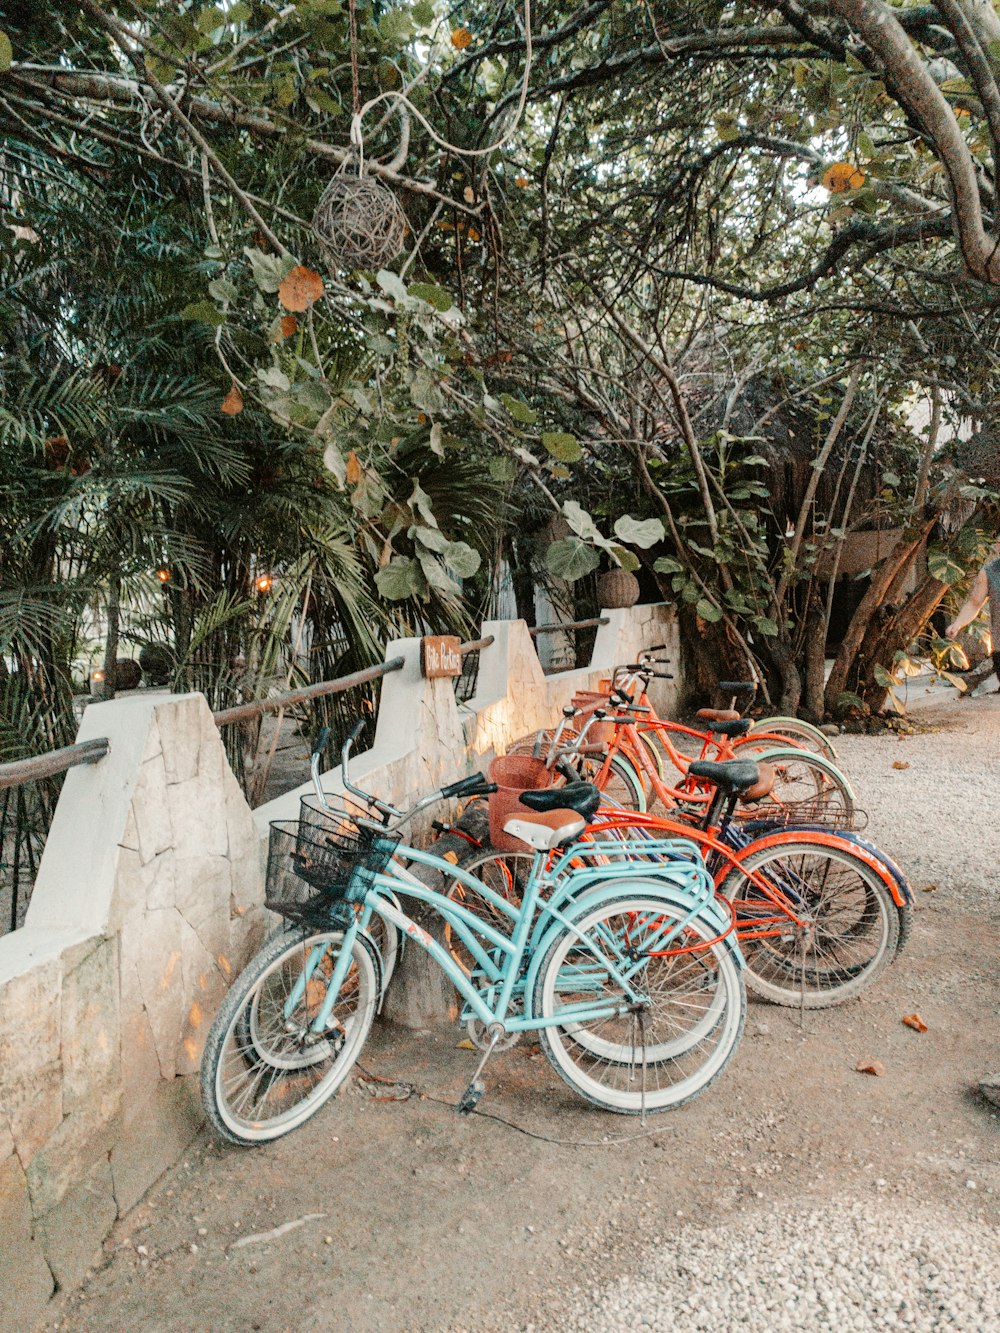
(731, 777)
(738, 728)
(582, 797)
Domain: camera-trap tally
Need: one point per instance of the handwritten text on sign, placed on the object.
(440, 656)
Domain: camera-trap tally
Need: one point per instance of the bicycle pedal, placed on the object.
(471, 1097)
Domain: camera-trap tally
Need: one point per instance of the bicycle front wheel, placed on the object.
(669, 1045)
(845, 935)
(264, 1073)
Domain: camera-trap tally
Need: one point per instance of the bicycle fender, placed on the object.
(824, 839)
(895, 871)
(718, 921)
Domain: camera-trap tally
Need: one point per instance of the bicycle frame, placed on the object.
(532, 920)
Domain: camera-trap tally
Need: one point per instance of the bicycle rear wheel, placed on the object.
(850, 932)
(806, 787)
(802, 733)
(672, 1045)
(263, 1072)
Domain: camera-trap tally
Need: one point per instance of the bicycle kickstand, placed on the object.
(472, 1095)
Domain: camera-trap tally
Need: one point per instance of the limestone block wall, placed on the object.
(147, 903)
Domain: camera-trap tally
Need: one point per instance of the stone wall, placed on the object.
(148, 902)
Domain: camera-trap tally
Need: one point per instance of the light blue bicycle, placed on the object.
(628, 970)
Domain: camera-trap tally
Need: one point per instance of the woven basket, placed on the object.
(616, 589)
(513, 774)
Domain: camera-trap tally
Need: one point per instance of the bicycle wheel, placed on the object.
(621, 785)
(805, 786)
(611, 1061)
(263, 1073)
(506, 873)
(850, 932)
(802, 733)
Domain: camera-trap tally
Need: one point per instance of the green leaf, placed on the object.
(6, 51)
(209, 19)
(641, 532)
(570, 559)
(766, 625)
(562, 445)
(626, 559)
(391, 283)
(222, 289)
(884, 678)
(461, 559)
(434, 296)
(432, 538)
(435, 574)
(238, 13)
(423, 13)
(518, 410)
(707, 611)
(395, 27)
(203, 312)
(847, 700)
(668, 565)
(503, 468)
(400, 578)
(890, 479)
(581, 522)
(266, 269)
(940, 566)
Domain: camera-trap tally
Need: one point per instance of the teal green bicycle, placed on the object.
(624, 963)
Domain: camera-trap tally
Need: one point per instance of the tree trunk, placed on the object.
(895, 635)
(111, 642)
(815, 659)
(789, 678)
(902, 555)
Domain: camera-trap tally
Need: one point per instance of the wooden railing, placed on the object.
(572, 624)
(279, 702)
(55, 761)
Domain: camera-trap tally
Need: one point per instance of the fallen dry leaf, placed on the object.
(915, 1022)
(299, 288)
(466, 1045)
(232, 404)
(354, 471)
(289, 325)
(898, 763)
(930, 888)
(875, 1067)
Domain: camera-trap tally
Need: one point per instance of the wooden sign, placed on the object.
(440, 656)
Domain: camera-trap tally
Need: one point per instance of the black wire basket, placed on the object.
(316, 871)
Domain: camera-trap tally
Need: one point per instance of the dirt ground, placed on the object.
(417, 1220)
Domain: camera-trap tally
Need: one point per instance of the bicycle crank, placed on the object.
(479, 1035)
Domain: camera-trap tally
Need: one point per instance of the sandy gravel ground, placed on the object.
(797, 1194)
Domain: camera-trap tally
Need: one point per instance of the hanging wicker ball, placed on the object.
(359, 223)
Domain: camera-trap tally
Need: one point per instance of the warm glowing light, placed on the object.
(97, 676)
(264, 583)
(163, 575)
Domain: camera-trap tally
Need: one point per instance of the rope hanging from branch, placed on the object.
(359, 222)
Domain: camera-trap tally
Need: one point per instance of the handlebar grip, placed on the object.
(653, 648)
(738, 686)
(322, 740)
(476, 785)
(355, 732)
(663, 675)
